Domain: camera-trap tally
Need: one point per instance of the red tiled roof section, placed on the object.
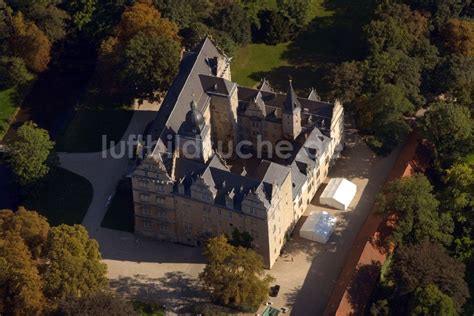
(362, 268)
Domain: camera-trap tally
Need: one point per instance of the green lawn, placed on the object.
(84, 132)
(317, 9)
(255, 58)
(253, 61)
(8, 109)
(63, 199)
(119, 215)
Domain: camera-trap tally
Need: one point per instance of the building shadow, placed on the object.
(176, 290)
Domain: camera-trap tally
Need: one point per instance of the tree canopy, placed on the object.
(40, 266)
(417, 266)
(143, 53)
(383, 116)
(416, 207)
(29, 153)
(450, 128)
(234, 275)
(430, 300)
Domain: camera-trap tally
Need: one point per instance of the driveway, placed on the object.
(167, 273)
(105, 173)
(307, 271)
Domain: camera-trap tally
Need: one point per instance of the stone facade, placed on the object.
(188, 198)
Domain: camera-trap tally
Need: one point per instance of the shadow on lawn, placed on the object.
(324, 42)
(177, 290)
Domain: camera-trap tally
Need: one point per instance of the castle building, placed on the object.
(186, 191)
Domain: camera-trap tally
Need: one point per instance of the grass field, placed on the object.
(254, 59)
(84, 132)
(119, 214)
(63, 199)
(8, 109)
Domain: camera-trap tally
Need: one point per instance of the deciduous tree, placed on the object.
(234, 275)
(382, 115)
(430, 300)
(20, 283)
(234, 21)
(30, 226)
(413, 202)
(417, 266)
(74, 266)
(459, 37)
(29, 153)
(450, 128)
(29, 43)
(99, 303)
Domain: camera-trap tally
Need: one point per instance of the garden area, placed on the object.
(84, 131)
(331, 34)
(8, 109)
(63, 198)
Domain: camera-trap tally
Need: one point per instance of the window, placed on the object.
(142, 184)
(146, 210)
(163, 227)
(160, 200)
(144, 197)
(160, 188)
(161, 213)
(146, 224)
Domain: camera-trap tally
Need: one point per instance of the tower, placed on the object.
(291, 118)
(194, 137)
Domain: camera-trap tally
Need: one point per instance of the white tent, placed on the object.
(338, 193)
(318, 227)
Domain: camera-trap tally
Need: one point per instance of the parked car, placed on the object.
(274, 290)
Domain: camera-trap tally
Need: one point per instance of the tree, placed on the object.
(194, 34)
(274, 27)
(180, 12)
(242, 239)
(415, 205)
(383, 116)
(29, 43)
(450, 128)
(458, 197)
(459, 37)
(431, 301)
(295, 10)
(345, 81)
(48, 17)
(30, 226)
(99, 303)
(454, 77)
(150, 64)
(20, 283)
(459, 184)
(13, 72)
(417, 266)
(233, 20)
(143, 53)
(29, 153)
(74, 265)
(81, 11)
(234, 275)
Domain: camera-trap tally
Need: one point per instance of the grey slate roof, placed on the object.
(291, 102)
(173, 110)
(217, 85)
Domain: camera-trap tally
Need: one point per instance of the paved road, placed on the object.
(167, 273)
(105, 173)
(308, 270)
